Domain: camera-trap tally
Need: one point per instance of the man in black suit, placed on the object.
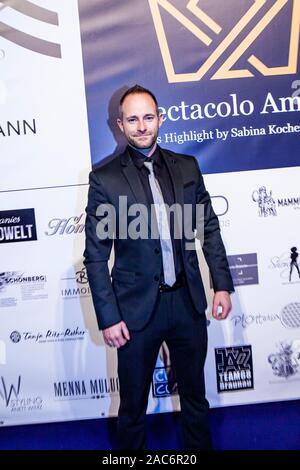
(155, 291)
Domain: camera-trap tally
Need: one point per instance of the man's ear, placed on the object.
(120, 124)
(160, 119)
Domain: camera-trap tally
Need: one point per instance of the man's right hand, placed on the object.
(116, 335)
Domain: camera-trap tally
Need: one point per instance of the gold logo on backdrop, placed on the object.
(226, 70)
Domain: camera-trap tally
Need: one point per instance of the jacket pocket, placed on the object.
(189, 183)
(121, 275)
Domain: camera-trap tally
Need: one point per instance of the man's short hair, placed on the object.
(137, 89)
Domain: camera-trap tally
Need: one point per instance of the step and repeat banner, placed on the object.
(228, 84)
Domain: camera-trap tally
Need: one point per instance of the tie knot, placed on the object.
(149, 166)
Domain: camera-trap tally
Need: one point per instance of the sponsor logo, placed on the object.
(16, 287)
(164, 382)
(285, 362)
(226, 49)
(7, 391)
(289, 317)
(17, 128)
(17, 226)
(234, 368)
(6, 278)
(70, 226)
(81, 276)
(220, 205)
(10, 393)
(244, 321)
(93, 388)
(48, 336)
(27, 40)
(268, 206)
(11, 277)
(15, 337)
(294, 263)
(287, 265)
(244, 269)
(265, 202)
(76, 286)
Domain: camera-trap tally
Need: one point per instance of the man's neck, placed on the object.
(147, 152)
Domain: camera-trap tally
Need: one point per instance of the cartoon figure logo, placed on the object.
(286, 361)
(265, 201)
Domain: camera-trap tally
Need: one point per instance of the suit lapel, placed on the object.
(176, 176)
(177, 181)
(131, 174)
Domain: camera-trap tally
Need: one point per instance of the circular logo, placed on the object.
(290, 315)
(15, 337)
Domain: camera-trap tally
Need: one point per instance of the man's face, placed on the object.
(140, 122)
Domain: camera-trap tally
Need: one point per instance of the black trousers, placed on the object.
(176, 322)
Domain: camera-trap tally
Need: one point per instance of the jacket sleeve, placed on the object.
(208, 231)
(96, 256)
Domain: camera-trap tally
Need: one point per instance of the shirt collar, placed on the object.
(138, 158)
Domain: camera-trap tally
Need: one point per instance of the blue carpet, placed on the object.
(266, 426)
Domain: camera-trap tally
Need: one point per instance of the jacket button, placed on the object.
(156, 278)
(157, 250)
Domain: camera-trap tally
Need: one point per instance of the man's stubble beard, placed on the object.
(134, 143)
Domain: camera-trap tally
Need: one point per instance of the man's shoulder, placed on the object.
(109, 167)
(182, 158)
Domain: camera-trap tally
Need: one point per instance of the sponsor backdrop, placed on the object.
(228, 83)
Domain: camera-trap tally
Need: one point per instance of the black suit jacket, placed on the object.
(130, 292)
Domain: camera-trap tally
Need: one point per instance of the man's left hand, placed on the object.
(221, 305)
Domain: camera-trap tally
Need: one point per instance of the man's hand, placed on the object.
(116, 335)
(221, 299)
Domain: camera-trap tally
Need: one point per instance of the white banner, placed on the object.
(43, 120)
(53, 362)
